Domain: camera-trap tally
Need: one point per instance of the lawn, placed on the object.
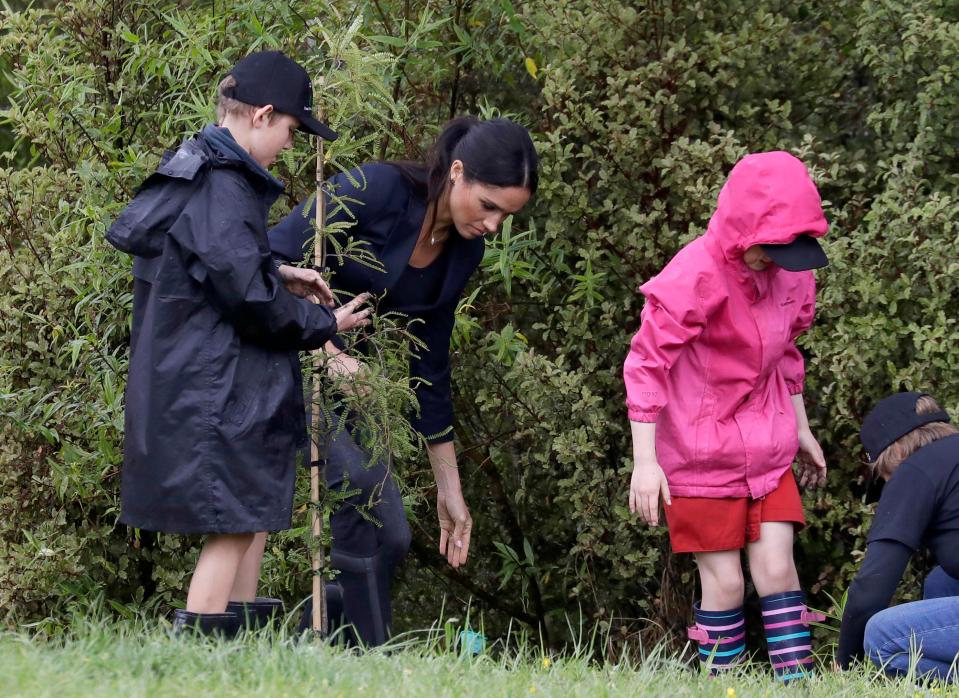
(136, 659)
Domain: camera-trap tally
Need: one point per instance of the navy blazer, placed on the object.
(384, 211)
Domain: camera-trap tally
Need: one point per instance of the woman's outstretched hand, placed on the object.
(645, 487)
(348, 316)
(309, 284)
(455, 526)
(810, 460)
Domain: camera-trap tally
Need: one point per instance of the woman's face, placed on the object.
(478, 209)
(756, 259)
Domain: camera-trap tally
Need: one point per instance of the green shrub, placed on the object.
(639, 111)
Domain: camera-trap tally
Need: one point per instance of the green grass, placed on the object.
(142, 659)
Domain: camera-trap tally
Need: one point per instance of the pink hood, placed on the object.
(768, 198)
(714, 361)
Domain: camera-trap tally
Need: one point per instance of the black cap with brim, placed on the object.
(269, 77)
(801, 254)
(892, 418)
(317, 128)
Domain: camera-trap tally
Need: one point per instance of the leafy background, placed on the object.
(639, 109)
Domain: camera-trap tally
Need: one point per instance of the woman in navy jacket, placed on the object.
(912, 446)
(425, 224)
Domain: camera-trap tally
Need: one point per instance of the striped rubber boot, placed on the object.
(721, 636)
(786, 624)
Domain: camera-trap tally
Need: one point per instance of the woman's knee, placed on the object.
(876, 639)
(394, 535)
(892, 631)
(396, 538)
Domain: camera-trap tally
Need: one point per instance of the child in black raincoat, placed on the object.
(214, 402)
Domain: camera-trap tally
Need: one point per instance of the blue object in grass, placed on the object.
(472, 642)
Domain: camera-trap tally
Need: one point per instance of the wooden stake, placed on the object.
(320, 621)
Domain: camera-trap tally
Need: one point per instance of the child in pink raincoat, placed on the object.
(714, 387)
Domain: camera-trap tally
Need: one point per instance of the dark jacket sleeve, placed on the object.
(430, 375)
(869, 593)
(355, 199)
(226, 252)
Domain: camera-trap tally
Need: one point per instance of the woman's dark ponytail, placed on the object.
(498, 153)
(441, 155)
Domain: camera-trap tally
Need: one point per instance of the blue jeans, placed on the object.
(930, 627)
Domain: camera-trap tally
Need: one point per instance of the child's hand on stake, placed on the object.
(645, 487)
(305, 283)
(811, 462)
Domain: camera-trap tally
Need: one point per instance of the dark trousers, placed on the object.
(370, 535)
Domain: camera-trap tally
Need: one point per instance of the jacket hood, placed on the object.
(141, 228)
(769, 198)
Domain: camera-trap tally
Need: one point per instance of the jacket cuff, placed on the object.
(433, 430)
(795, 388)
(637, 415)
(443, 437)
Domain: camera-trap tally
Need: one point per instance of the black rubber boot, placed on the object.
(221, 625)
(260, 613)
(365, 583)
(334, 615)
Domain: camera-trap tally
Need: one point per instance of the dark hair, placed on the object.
(498, 153)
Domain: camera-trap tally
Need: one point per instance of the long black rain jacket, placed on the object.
(215, 413)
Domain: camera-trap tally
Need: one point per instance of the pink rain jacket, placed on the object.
(714, 362)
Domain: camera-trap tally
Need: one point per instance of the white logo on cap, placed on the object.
(307, 109)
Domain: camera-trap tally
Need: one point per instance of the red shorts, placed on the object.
(704, 524)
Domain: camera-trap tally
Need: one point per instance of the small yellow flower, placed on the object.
(407, 672)
(547, 662)
(532, 689)
(730, 692)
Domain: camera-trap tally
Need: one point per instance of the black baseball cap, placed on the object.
(801, 254)
(892, 418)
(269, 77)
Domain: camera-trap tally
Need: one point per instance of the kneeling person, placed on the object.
(912, 446)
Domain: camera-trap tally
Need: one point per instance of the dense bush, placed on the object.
(639, 110)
